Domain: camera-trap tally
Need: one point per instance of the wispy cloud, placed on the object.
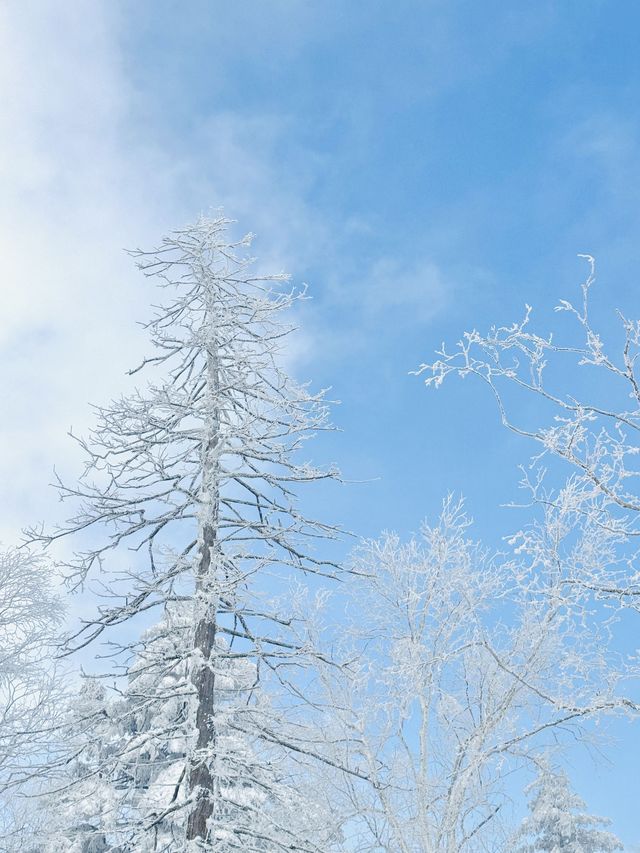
(88, 169)
(81, 180)
(68, 204)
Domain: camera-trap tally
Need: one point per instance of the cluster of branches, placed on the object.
(586, 417)
(234, 713)
(31, 694)
(465, 671)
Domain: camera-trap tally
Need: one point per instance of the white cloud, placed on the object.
(85, 174)
(80, 180)
(71, 198)
(390, 297)
(404, 293)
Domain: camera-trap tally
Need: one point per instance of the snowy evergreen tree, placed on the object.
(123, 790)
(558, 822)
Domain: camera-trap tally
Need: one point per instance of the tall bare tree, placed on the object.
(189, 499)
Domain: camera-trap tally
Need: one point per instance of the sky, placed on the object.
(425, 167)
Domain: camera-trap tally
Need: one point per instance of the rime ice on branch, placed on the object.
(31, 691)
(586, 414)
(188, 499)
(462, 674)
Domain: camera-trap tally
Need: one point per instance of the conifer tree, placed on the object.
(187, 507)
(558, 822)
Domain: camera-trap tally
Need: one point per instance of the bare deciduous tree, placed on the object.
(463, 666)
(30, 693)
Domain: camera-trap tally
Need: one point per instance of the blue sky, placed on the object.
(425, 166)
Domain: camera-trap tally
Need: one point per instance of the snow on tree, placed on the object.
(30, 692)
(587, 415)
(188, 507)
(460, 673)
(558, 822)
(123, 790)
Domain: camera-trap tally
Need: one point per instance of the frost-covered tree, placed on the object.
(461, 670)
(123, 789)
(587, 415)
(558, 822)
(187, 508)
(30, 692)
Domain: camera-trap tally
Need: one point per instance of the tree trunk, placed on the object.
(201, 779)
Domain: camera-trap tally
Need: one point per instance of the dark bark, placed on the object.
(200, 776)
(204, 681)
